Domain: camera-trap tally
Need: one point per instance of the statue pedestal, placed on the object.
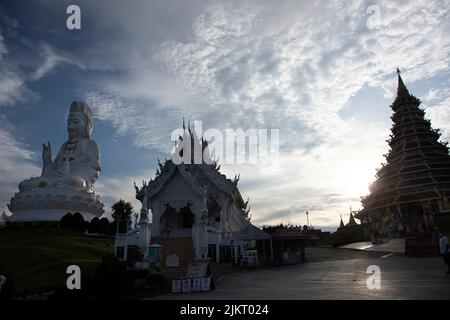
(51, 204)
(45, 215)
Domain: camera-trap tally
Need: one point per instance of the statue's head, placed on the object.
(79, 122)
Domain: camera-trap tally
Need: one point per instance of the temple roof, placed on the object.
(341, 225)
(351, 220)
(198, 175)
(250, 232)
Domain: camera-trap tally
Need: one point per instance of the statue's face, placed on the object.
(76, 126)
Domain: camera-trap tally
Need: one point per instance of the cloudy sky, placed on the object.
(322, 72)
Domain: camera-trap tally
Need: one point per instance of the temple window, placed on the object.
(187, 217)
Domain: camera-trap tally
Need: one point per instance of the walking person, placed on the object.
(2, 281)
(444, 248)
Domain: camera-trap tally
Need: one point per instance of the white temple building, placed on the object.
(195, 211)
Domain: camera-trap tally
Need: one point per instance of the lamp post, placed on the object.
(307, 218)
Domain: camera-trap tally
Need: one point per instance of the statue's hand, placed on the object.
(46, 153)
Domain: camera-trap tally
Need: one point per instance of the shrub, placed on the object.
(73, 221)
(110, 279)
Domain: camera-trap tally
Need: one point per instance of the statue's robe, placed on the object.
(76, 166)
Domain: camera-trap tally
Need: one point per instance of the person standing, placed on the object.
(444, 248)
(2, 281)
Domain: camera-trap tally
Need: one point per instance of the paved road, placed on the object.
(336, 274)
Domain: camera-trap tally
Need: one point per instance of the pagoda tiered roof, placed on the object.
(417, 166)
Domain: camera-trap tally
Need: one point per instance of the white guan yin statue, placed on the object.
(67, 183)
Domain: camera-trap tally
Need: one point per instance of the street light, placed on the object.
(307, 218)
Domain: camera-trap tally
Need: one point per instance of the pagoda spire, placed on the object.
(341, 225)
(402, 91)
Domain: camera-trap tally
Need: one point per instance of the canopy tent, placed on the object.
(250, 232)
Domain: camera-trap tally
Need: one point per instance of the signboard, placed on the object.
(197, 269)
(421, 247)
(176, 286)
(196, 284)
(206, 284)
(172, 261)
(186, 285)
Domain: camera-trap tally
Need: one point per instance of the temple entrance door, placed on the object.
(187, 217)
(169, 219)
(214, 210)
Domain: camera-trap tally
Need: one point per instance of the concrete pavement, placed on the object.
(394, 245)
(336, 274)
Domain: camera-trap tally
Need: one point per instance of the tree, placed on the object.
(246, 211)
(78, 222)
(94, 226)
(122, 214)
(103, 226)
(66, 221)
(73, 221)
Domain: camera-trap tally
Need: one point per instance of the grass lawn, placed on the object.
(38, 257)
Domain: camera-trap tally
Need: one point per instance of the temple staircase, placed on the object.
(182, 247)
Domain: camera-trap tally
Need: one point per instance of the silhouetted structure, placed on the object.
(412, 186)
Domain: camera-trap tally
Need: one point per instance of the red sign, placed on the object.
(421, 247)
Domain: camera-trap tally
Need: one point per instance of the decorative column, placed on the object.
(199, 229)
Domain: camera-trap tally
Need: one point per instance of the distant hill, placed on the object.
(38, 257)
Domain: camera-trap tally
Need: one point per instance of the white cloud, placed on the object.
(3, 49)
(292, 66)
(50, 60)
(439, 114)
(112, 189)
(12, 88)
(14, 82)
(15, 162)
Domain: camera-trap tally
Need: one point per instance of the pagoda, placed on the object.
(411, 188)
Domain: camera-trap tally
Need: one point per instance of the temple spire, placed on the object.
(351, 220)
(341, 225)
(402, 91)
